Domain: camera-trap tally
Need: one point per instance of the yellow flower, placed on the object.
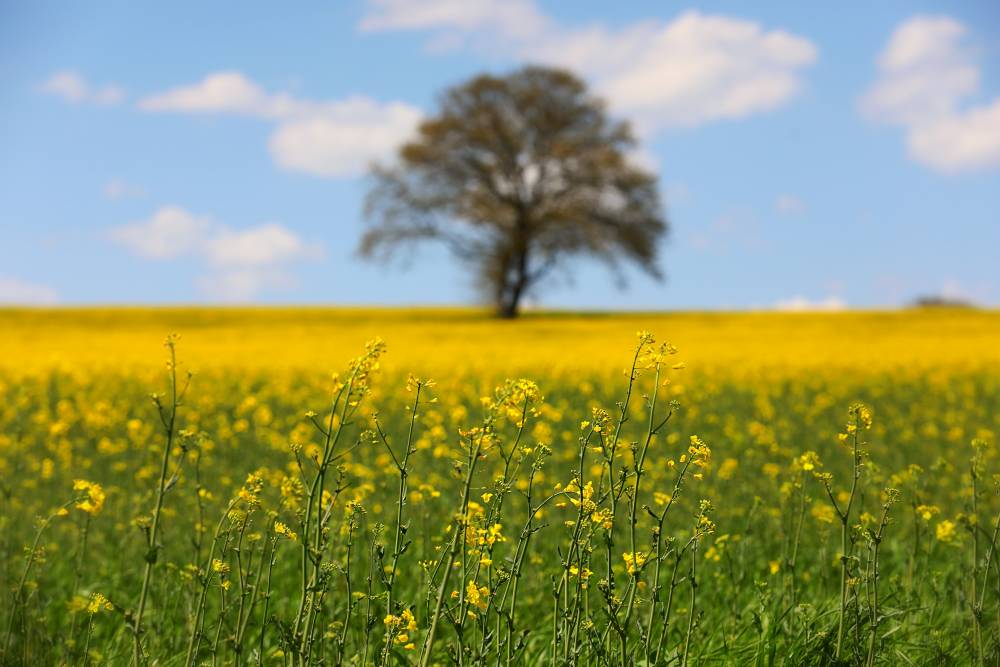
(602, 517)
(93, 500)
(926, 512)
(808, 462)
(863, 414)
(699, 451)
(488, 536)
(99, 603)
(634, 561)
(945, 531)
(284, 531)
(478, 596)
(251, 490)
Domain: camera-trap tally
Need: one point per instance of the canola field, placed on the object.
(307, 486)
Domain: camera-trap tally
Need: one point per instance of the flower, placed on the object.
(400, 626)
(583, 497)
(99, 603)
(808, 462)
(926, 512)
(603, 517)
(92, 501)
(284, 531)
(478, 596)
(945, 532)
(251, 489)
(699, 451)
(634, 561)
(584, 574)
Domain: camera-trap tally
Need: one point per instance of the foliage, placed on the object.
(515, 174)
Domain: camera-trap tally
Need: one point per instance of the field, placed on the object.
(794, 489)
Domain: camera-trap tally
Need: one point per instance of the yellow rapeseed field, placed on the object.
(441, 341)
(361, 486)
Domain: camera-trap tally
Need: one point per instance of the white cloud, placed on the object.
(20, 292)
(116, 188)
(692, 70)
(223, 92)
(171, 233)
(511, 19)
(802, 304)
(331, 138)
(787, 204)
(73, 88)
(926, 78)
(344, 139)
(640, 156)
(924, 71)
(240, 262)
(695, 69)
(964, 141)
(268, 244)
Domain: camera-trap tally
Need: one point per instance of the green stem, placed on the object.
(152, 551)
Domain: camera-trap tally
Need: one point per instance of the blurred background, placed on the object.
(808, 157)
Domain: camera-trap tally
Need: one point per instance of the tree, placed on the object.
(516, 174)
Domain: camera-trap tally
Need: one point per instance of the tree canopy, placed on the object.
(517, 174)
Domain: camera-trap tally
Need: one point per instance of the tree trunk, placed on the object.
(510, 301)
(510, 293)
(507, 310)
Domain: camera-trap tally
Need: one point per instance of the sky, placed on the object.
(810, 155)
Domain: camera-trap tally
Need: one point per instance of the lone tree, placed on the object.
(516, 174)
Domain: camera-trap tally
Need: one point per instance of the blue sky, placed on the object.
(810, 156)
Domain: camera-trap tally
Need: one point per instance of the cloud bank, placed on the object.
(798, 304)
(240, 263)
(692, 70)
(927, 77)
(331, 138)
(71, 87)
